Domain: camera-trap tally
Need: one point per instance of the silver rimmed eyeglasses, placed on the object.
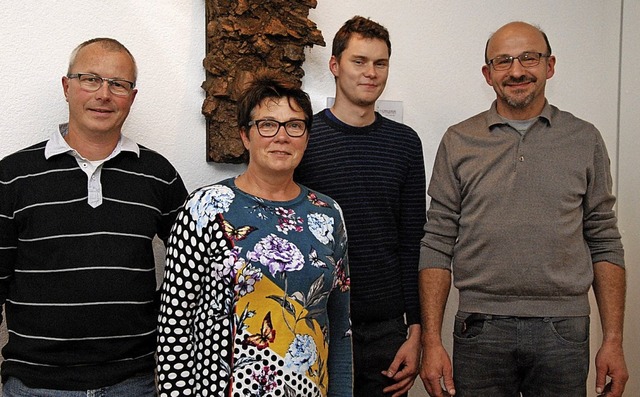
(526, 59)
(92, 82)
(269, 128)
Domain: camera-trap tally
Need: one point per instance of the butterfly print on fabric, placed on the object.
(314, 260)
(266, 335)
(236, 234)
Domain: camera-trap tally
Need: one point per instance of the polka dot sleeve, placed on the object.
(189, 303)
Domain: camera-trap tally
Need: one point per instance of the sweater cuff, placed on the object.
(432, 259)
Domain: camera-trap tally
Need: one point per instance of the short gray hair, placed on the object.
(106, 43)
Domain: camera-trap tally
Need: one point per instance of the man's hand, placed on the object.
(436, 366)
(609, 286)
(610, 362)
(404, 367)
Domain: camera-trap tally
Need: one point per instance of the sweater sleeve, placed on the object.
(600, 222)
(174, 197)
(340, 349)
(8, 238)
(443, 216)
(412, 220)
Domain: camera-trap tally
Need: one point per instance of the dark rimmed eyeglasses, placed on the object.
(526, 59)
(269, 128)
(92, 82)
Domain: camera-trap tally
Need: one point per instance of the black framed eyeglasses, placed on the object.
(526, 59)
(92, 82)
(269, 128)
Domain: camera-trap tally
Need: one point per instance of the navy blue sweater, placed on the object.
(376, 173)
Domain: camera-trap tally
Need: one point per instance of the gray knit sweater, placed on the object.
(521, 219)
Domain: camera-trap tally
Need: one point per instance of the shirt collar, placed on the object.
(493, 118)
(57, 145)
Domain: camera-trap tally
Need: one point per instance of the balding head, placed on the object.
(513, 29)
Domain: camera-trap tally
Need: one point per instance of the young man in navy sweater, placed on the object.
(374, 168)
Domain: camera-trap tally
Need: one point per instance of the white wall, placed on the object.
(435, 70)
(629, 182)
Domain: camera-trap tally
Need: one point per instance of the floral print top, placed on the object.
(255, 298)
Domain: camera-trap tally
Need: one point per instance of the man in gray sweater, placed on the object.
(522, 216)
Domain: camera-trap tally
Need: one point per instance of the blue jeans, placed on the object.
(374, 347)
(500, 356)
(140, 386)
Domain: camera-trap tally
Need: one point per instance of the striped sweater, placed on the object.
(78, 281)
(376, 173)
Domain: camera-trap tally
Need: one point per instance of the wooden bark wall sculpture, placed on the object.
(244, 36)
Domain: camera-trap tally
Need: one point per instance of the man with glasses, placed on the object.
(374, 168)
(78, 214)
(522, 215)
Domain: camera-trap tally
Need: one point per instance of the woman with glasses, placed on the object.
(255, 298)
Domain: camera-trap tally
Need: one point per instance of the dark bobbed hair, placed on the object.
(362, 26)
(544, 35)
(269, 85)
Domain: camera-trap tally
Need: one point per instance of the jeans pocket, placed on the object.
(572, 330)
(468, 327)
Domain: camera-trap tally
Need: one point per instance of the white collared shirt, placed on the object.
(57, 145)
